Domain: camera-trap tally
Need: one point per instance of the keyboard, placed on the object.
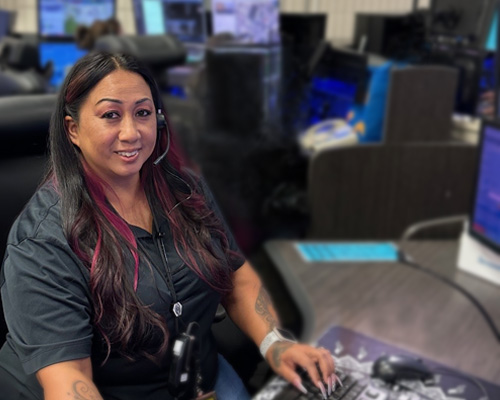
(351, 389)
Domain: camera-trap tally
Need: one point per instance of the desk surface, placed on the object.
(403, 306)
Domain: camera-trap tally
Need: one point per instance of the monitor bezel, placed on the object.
(60, 37)
(485, 123)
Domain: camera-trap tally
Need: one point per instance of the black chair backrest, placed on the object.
(156, 51)
(20, 68)
(24, 126)
(377, 191)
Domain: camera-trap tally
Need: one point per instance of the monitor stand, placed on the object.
(476, 258)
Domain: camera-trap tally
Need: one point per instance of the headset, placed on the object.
(161, 123)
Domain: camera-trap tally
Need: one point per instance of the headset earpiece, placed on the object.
(161, 123)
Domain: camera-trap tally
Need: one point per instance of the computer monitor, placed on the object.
(60, 18)
(485, 215)
(461, 21)
(250, 21)
(149, 17)
(185, 19)
(63, 56)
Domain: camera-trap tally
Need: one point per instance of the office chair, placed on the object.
(24, 126)
(420, 104)
(23, 160)
(158, 52)
(376, 191)
(20, 68)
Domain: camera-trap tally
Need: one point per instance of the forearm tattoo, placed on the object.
(82, 391)
(277, 350)
(262, 306)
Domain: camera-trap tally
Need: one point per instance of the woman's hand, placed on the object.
(285, 357)
(250, 307)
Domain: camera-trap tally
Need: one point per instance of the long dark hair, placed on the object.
(104, 241)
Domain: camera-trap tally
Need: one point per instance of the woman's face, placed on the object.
(116, 128)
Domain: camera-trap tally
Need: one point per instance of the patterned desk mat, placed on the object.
(355, 354)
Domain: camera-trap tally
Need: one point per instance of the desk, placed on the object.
(399, 305)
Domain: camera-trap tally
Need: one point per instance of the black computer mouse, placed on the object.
(392, 368)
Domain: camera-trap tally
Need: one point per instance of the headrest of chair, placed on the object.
(20, 54)
(156, 51)
(24, 123)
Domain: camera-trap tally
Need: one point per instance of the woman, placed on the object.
(119, 252)
(85, 36)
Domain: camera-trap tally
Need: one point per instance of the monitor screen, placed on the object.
(60, 18)
(185, 19)
(485, 218)
(250, 21)
(63, 56)
(149, 17)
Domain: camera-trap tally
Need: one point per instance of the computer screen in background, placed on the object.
(485, 216)
(149, 17)
(63, 56)
(60, 18)
(185, 19)
(250, 21)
